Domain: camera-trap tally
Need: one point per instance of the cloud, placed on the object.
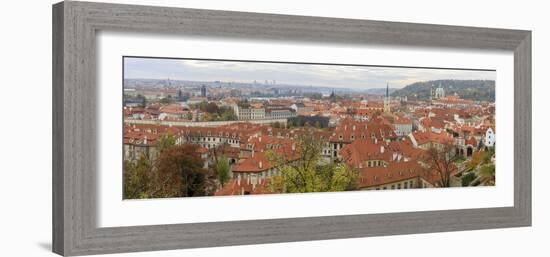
(338, 76)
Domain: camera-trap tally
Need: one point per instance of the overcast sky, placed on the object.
(295, 74)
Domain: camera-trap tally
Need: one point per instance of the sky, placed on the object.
(334, 76)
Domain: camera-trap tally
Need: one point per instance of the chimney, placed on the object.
(252, 152)
(260, 165)
(260, 139)
(353, 127)
(145, 140)
(381, 149)
(293, 147)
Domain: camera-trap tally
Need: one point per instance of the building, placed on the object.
(350, 130)
(403, 126)
(249, 112)
(428, 139)
(437, 93)
(203, 91)
(387, 108)
(279, 113)
(489, 138)
(301, 108)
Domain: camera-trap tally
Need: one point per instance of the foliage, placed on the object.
(180, 168)
(276, 125)
(212, 108)
(222, 170)
(478, 90)
(166, 141)
(468, 178)
(215, 113)
(441, 161)
(489, 152)
(137, 177)
(307, 175)
(317, 121)
(487, 174)
(167, 100)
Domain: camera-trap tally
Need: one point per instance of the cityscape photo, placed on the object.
(197, 127)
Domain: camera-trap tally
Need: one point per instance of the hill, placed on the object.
(477, 90)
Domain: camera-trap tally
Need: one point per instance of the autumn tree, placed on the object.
(181, 172)
(212, 108)
(440, 160)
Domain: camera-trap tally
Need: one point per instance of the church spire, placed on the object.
(387, 99)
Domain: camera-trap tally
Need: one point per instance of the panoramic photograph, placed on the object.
(202, 127)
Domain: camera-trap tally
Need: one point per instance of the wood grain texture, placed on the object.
(74, 126)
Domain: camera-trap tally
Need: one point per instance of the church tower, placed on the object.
(387, 99)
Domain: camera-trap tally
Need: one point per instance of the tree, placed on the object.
(227, 114)
(142, 99)
(181, 171)
(166, 141)
(167, 100)
(306, 174)
(468, 178)
(212, 108)
(222, 170)
(137, 178)
(487, 174)
(441, 161)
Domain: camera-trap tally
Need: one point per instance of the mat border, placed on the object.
(74, 130)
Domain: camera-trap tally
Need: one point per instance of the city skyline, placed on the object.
(334, 76)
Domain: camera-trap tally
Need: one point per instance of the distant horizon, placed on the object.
(307, 75)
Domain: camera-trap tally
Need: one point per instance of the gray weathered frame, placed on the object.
(74, 95)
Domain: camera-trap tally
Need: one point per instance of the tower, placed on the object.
(387, 99)
(203, 91)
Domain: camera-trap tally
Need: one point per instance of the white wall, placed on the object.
(25, 129)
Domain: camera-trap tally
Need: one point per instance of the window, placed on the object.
(392, 186)
(406, 185)
(385, 188)
(399, 186)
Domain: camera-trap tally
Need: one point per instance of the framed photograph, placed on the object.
(183, 128)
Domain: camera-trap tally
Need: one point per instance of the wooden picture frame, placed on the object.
(75, 25)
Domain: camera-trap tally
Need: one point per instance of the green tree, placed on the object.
(343, 178)
(143, 100)
(307, 174)
(137, 177)
(167, 100)
(166, 141)
(468, 178)
(222, 170)
(487, 174)
(227, 114)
